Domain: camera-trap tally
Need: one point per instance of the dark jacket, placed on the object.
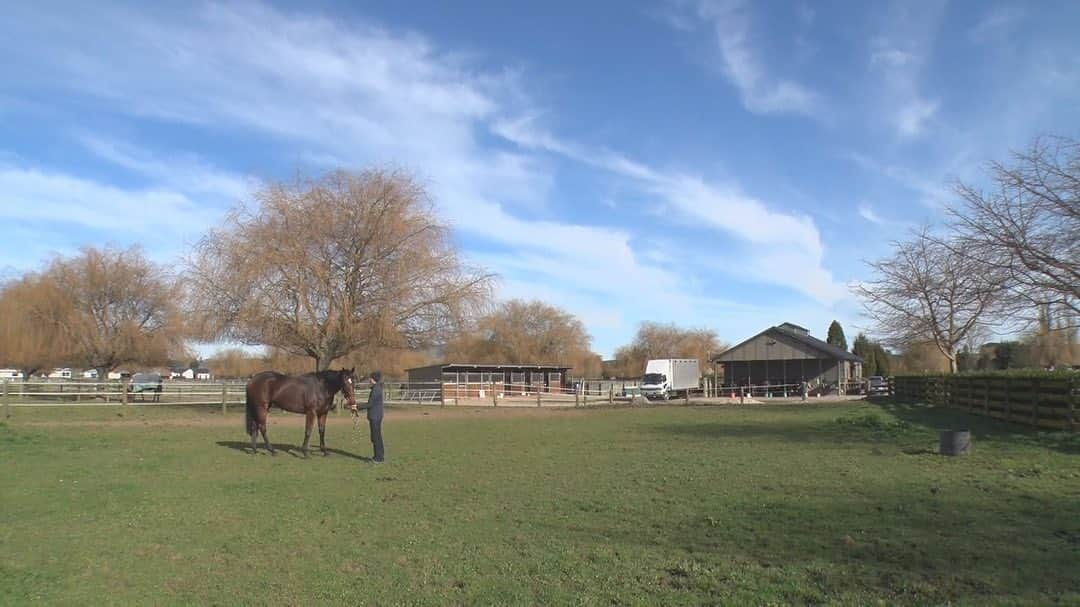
(375, 402)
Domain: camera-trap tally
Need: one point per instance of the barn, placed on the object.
(513, 378)
(787, 355)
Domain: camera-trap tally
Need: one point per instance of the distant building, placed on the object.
(90, 374)
(202, 373)
(787, 354)
(59, 373)
(509, 378)
(10, 374)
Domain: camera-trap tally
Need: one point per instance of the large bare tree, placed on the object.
(1027, 227)
(117, 307)
(30, 339)
(324, 267)
(928, 291)
(659, 340)
(534, 332)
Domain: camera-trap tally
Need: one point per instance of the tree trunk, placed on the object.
(952, 363)
(322, 362)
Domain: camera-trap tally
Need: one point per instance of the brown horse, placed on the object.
(311, 394)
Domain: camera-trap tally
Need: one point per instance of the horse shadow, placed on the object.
(293, 450)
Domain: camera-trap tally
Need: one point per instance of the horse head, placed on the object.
(348, 387)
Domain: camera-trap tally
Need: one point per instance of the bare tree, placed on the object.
(657, 340)
(929, 292)
(528, 332)
(1028, 227)
(118, 308)
(324, 267)
(29, 338)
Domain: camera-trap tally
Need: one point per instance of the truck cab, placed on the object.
(655, 385)
(667, 377)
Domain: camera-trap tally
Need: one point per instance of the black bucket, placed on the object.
(954, 442)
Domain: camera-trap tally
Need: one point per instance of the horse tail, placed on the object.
(249, 414)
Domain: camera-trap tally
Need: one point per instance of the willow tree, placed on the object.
(533, 332)
(30, 339)
(327, 266)
(113, 307)
(659, 340)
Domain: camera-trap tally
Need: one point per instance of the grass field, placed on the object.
(801, 504)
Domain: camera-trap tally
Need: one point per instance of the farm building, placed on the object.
(787, 354)
(512, 378)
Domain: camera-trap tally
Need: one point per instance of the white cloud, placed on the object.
(867, 213)
(996, 23)
(186, 173)
(779, 245)
(933, 193)
(759, 90)
(897, 56)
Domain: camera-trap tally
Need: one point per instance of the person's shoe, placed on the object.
(376, 461)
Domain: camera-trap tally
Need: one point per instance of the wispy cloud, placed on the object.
(785, 248)
(997, 22)
(760, 90)
(185, 172)
(31, 194)
(897, 57)
(932, 193)
(867, 213)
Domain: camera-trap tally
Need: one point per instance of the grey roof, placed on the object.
(492, 366)
(817, 344)
(803, 338)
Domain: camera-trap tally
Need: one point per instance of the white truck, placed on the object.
(667, 377)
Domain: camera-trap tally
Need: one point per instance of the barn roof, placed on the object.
(790, 331)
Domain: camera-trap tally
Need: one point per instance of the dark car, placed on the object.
(876, 385)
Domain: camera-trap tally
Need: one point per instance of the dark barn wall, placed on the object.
(776, 372)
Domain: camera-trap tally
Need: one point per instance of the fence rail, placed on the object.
(1036, 401)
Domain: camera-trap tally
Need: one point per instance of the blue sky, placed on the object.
(719, 164)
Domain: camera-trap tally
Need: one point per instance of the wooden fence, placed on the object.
(1046, 402)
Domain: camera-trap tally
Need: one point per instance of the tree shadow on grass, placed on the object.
(918, 421)
(932, 417)
(890, 543)
(293, 450)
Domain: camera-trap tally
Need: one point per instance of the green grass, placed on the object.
(819, 504)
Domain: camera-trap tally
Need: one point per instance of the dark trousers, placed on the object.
(376, 438)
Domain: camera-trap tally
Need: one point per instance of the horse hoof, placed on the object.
(326, 454)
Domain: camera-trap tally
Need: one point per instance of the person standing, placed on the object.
(375, 415)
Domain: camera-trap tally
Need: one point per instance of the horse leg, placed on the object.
(254, 433)
(269, 447)
(322, 433)
(309, 422)
(262, 416)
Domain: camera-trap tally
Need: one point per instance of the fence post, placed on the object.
(442, 392)
(7, 401)
(986, 396)
(611, 394)
(538, 390)
(1073, 388)
(577, 396)
(123, 392)
(494, 397)
(1035, 403)
(224, 398)
(1008, 409)
(688, 396)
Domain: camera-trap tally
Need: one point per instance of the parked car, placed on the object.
(876, 385)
